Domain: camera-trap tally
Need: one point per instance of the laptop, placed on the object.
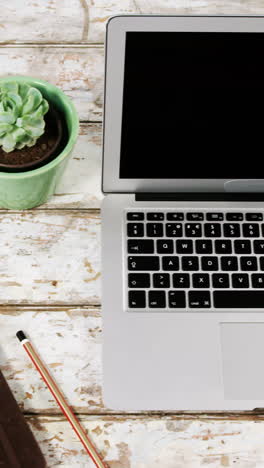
(183, 213)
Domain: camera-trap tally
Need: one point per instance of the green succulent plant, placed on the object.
(22, 110)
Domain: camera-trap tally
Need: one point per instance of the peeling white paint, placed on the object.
(65, 20)
(78, 71)
(69, 341)
(128, 442)
(50, 258)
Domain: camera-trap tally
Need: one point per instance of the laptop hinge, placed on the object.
(200, 196)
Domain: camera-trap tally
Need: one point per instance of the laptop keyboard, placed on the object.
(195, 260)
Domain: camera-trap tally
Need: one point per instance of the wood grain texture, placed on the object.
(69, 340)
(78, 71)
(50, 257)
(84, 20)
(154, 442)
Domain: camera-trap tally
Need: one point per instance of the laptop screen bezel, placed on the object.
(117, 28)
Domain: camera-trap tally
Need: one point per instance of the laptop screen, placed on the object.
(193, 105)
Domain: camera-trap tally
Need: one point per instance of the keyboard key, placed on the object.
(138, 280)
(229, 263)
(161, 280)
(190, 264)
(157, 299)
(258, 246)
(199, 299)
(220, 280)
(175, 216)
(257, 280)
(174, 230)
(248, 263)
(195, 216)
(250, 230)
(184, 246)
(170, 263)
(133, 216)
(239, 299)
(193, 230)
(242, 246)
(201, 280)
(143, 263)
(214, 216)
(140, 246)
(154, 230)
(254, 216)
(240, 280)
(135, 229)
(204, 246)
(165, 246)
(261, 261)
(223, 246)
(231, 230)
(177, 299)
(212, 230)
(157, 216)
(181, 280)
(137, 299)
(209, 263)
(234, 217)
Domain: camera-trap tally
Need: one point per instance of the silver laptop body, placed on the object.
(183, 213)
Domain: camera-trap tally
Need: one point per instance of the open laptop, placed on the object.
(183, 215)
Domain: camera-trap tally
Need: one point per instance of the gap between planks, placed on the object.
(54, 45)
(52, 308)
(42, 307)
(205, 417)
(91, 211)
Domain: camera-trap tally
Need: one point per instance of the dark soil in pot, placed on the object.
(47, 147)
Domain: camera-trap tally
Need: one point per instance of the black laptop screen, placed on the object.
(193, 105)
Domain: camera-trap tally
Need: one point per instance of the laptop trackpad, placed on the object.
(243, 358)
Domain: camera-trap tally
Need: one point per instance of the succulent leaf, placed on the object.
(22, 110)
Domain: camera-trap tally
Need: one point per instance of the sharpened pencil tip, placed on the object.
(21, 335)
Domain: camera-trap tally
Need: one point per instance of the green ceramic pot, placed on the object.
(24, 190)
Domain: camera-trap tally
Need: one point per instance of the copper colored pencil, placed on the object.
(59, 397)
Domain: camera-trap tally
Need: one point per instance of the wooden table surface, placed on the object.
(50, 261)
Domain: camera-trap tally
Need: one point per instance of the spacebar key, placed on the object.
(239, 299)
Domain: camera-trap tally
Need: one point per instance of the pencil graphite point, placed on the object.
(21, 335)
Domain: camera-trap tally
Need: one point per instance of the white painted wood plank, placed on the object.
(38, 21)
(49, 257)
(84, 20)
(154, 442)
(78, 71)
(80, 186)
(189, 7)
(69, 341)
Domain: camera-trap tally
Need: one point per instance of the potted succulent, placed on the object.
(38, 129)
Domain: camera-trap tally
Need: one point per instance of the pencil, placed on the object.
(59, 397)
